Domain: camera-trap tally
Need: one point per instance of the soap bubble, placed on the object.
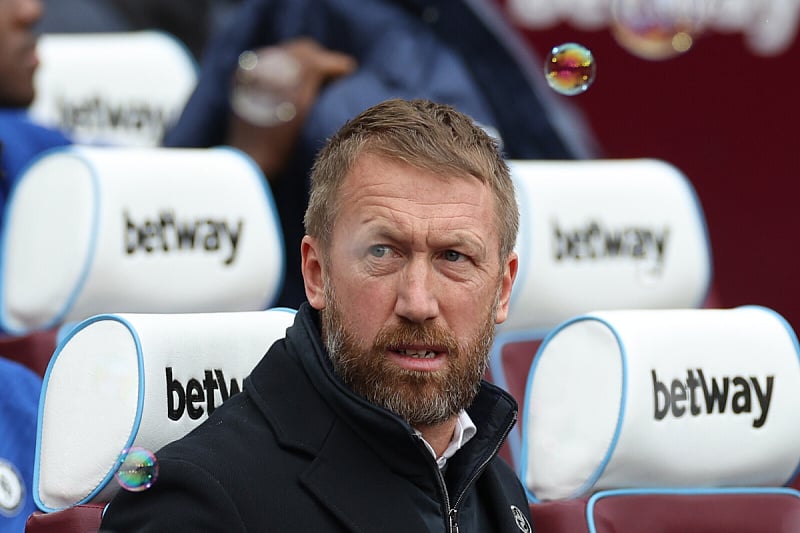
(570, 68)
(138, 469)
(266, 87)
(658, 29)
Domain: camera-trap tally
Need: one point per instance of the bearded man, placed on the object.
(371, 414)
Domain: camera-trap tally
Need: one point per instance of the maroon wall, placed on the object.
(730, 120)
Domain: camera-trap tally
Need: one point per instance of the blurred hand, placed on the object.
(274, 89)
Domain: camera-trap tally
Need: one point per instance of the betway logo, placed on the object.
(596, 242)
(191, 398)
(696, 394)
(95, 114)
(166, 234)
(770, 25)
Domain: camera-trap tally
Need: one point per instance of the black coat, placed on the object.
(296, 451)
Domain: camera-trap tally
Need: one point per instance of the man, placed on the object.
(20, 139)
(458, 52)
(18, 51)
(371, 414)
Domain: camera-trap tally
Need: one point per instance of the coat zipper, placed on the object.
(453, 520)
(452, 512)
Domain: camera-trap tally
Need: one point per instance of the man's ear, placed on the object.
(312, 267)
(509, 275)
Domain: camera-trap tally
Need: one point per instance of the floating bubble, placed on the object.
(138, 469)
(570, 68)
(266, 86)
(658, 29)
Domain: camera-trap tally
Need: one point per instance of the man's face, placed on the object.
(413, 287)
(18, 59)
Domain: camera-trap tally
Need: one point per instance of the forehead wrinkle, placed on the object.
(398, 205)
(401, 210)
(422, 198)
(380, 173)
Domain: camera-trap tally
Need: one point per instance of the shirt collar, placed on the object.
(465, 429)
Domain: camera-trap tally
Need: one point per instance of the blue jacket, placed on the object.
(459, 52)
(19, 404)
(296, 450)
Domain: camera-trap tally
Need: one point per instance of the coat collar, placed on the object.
(297, 374)
(296, 377)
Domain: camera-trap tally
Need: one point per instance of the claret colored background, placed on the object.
(730, 120)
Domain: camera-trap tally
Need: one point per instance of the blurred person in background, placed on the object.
(321, 62)
(20, 139)
(19, 404)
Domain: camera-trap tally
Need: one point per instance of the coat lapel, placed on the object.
(364, 493)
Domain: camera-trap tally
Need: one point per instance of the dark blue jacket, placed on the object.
(459, 52)
(19, 403)
(298, 451)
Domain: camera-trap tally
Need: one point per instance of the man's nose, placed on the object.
(416, 292)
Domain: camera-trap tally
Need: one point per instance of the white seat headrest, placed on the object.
(168, 230)
(605, 234)
(118, 381)
(662, 398)
(122, 88)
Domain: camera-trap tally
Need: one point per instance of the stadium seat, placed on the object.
(78, 519)
(667, 421)
(597, 234)
(120, 381)
(92, 230)
(747, 510)
(124, 88)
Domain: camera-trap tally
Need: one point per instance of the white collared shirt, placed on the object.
(465, 429)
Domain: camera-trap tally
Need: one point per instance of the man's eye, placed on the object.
(452, 255)
(379, 250)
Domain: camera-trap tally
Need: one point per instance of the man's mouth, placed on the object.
(419, 359)
(418, 354)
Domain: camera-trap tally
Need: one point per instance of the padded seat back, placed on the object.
(597, 234)
(686, 415)
(739, 510)
(93, 230)
(122, 380)
(123, 88)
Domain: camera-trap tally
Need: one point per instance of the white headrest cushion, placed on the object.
(122, 88)
(662, 398)
(125, 380)
(605, 234)
(98, 230)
